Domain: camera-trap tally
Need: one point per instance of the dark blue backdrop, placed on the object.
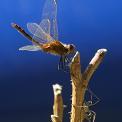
(26, 78)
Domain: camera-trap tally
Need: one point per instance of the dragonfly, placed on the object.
(45, 35)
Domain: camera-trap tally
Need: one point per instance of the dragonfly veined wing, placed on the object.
(50, 12)
(30, 48)
(39, 34)
(45, 25)
(47, 30)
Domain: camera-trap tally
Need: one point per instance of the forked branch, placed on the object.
(80, 83)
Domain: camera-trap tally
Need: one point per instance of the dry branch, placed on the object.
(94, 63)
(58, 104)
(80, 83)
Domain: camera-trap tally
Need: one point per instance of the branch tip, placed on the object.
(57, 89)
(103, 50)
(76, 58)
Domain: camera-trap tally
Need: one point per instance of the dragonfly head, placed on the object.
(71, 48)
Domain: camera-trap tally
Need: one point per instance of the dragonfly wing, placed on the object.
(30, 48)
(45, 25)
(39, 34)
(55, 30)
(50, 12)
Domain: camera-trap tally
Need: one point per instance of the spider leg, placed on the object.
(90, 116)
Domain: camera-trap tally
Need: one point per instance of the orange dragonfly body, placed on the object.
(57, 48)
(45, 35)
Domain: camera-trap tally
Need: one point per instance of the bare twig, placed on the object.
(80, 83)
(58, 104)
(94, 63)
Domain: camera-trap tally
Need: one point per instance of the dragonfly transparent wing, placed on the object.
(50, 12)
(45, 25)
(30, 48)
(39, 34)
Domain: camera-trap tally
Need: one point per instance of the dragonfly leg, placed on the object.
(60, 63)
(63, 63)
(68, 60)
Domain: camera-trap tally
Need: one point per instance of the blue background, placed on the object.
(26, 78)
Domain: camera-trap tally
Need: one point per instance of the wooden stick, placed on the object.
(76, 78)
(58, 104)
(80, 83)
(94, 63)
